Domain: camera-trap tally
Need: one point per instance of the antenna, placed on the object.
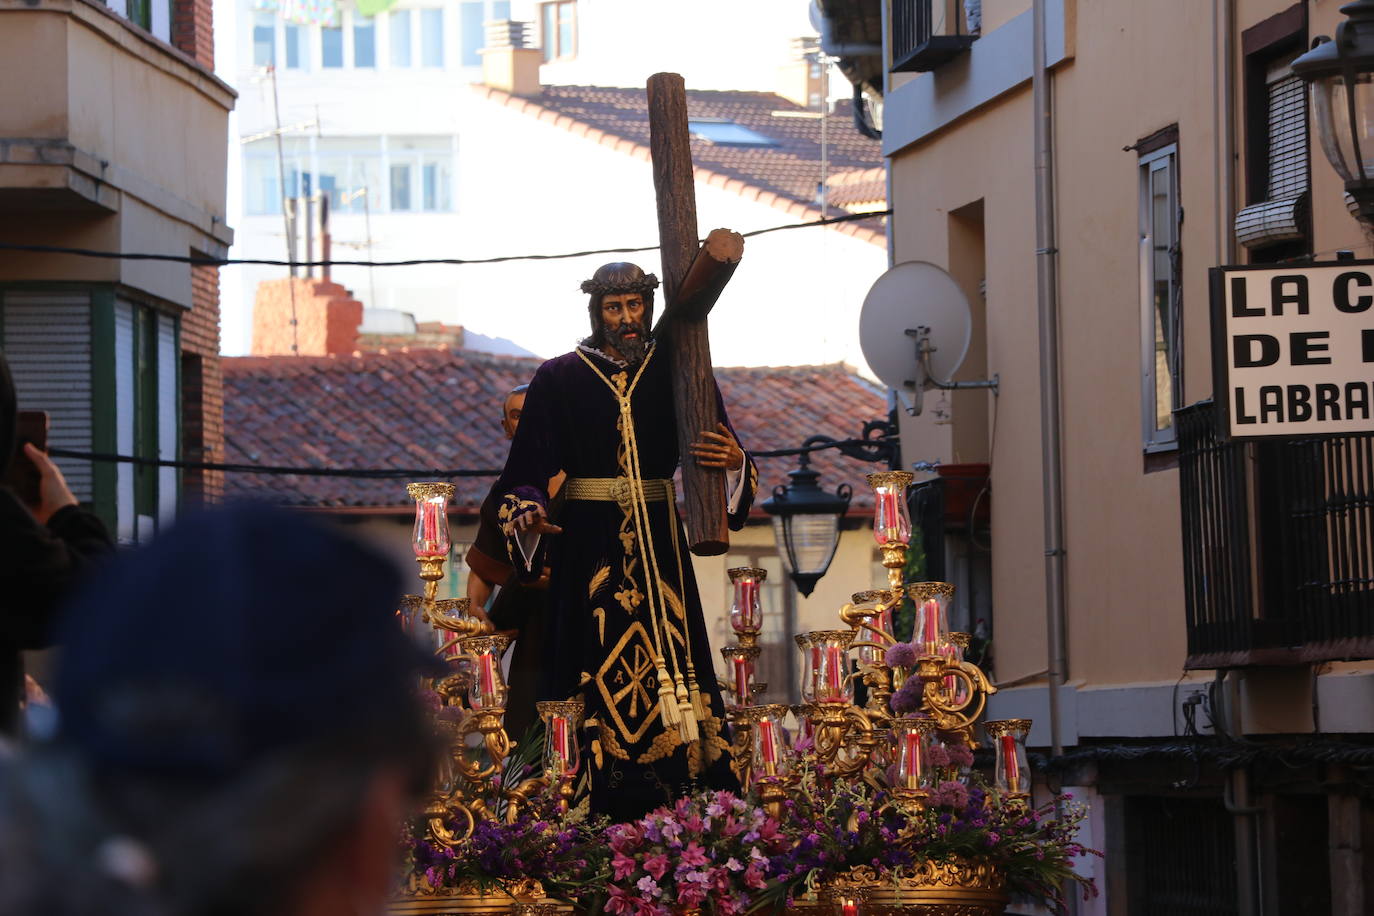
(914, 330)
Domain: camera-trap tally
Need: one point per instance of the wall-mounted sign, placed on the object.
(1293, 348)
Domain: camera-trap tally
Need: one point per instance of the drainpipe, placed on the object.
(1236, 797)
(1046, 276)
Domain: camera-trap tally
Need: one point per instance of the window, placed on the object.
(559, 29)
(1276, 225)
(295, 46)
(1160, 291)
(364, 41)
(264, 37)
(404, 174)
(473, 39)
(141, 14)
(722, 132)
(331, 46)
(421, 174)
(400, 38)
(431, 38)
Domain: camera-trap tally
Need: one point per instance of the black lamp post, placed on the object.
(1340, 75)
(806, 521)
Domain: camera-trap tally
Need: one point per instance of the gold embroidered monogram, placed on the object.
(628, 684)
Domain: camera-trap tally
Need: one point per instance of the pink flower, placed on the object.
(656, 865)
(731, 827)
(627, 837)
(691, 894)
(624, 866)
(647, 886)
(693, 855)
(620, 902)
(753, 877)
(938, 756)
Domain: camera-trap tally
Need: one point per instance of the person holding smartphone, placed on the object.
(47, 543)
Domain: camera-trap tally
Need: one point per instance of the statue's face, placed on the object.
(622, 318)
(510, 414)
(621, 310)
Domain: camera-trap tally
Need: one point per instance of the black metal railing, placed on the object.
(912, 26)
(1278, 545)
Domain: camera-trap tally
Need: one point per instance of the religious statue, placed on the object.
(624, 627)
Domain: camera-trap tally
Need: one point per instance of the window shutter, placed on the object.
(48, 346)
(1282, 215)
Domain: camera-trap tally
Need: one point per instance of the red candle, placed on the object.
(930, 625)
(766, 738)
(885, 525)
(742, 693)
(429, 543)
(834, 677)
(560, 741)
(913, 760)
(486, 668)
(850, 908)
(1009, 760)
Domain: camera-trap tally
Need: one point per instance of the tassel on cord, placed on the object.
(698, 703)
(684, 706)
(667, 699)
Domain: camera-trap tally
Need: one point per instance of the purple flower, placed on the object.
(908, 697)
(900, 655)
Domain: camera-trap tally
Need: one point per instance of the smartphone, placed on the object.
(23, 477)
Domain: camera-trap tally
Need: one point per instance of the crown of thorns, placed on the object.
(601, 287)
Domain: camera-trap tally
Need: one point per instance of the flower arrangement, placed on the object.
(565, 855)
(713, 851)
(837, 827)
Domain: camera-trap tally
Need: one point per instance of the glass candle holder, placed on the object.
(956, 688)
(810, 666)
(932, 615)
(410, 617)
(867, 608)
(1011, 776)
(746, 611)
(740, 661)
(488, 690)
(562, 723)
(806, 730)
(911, 740)
(430, 538)
(771, 757)
(891, 518)
(831, 650)
(449, 617)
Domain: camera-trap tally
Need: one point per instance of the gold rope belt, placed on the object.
(615, 489)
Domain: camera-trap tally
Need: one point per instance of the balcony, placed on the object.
(916, 46)
(1278, 546)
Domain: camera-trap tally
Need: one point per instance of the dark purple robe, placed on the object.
(599, 640)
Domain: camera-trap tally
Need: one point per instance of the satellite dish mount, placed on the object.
(926, 377)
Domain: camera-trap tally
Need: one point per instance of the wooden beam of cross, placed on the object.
(693, 278)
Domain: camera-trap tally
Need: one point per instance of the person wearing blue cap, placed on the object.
(238, 731)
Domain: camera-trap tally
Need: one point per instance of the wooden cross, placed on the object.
(693, 278)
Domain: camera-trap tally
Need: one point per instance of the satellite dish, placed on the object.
(915, 329)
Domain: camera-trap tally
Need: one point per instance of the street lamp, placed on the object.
(1339, 73)
(806, 521)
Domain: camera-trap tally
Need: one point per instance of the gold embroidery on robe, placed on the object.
(611, 745)
(628, 684)
(599, 578)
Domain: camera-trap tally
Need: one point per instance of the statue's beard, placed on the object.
(631, 349)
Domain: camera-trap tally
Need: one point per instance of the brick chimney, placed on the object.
(327, 318)
(507, 61)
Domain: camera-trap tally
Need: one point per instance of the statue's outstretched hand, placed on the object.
(718, 449)
(535, 521)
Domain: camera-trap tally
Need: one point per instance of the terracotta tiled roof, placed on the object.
(440, 409)
(783, 175)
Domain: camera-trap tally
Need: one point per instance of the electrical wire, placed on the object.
(374, 473)
(408, 262)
